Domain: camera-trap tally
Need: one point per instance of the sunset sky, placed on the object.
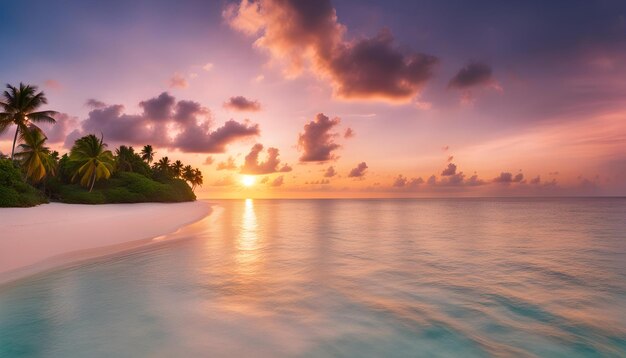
(349, 98)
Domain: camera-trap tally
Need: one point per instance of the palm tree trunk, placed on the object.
(14, 140)
(93, 181)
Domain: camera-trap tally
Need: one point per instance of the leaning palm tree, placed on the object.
(188, 173)
(36, 159)
(196, 179)
(147, 153)
(19, 107)
(91, 161)
(177, 168)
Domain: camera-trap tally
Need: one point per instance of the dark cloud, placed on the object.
(317, 142)
(198, 138)
(158, 108)
(94, 103)
(415, 182)
(450, 158)
(474, 181)
(163, 115)
(307, 35)
(451, 178)
(536, 180)
(349, 133)
(359, 171)
(229, 164)
(330, 172)
(116, 126)
(473, 74)
(507, 178)
(450, 170)
(318, 182)
(375, 68)
(209, 160)
(404, 182)
(456, 179)
(278, 181)
(400, 181)
(270, 165)
(187, 112)
(242, 104)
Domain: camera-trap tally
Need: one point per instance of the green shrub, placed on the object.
(75, 194)
(14, 191)
(128, 187)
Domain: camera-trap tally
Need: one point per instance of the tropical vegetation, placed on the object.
(90, 173)
(19, 107)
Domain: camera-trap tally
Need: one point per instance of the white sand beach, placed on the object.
(38, 238)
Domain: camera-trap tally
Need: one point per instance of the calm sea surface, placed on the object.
(344, 278)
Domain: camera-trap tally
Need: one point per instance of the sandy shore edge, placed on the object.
(37, 239)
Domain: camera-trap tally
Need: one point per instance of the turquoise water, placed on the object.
(344, 278)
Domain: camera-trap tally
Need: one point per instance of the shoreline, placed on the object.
(53, 235)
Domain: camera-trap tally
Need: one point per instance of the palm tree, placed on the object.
(19, 107)
(163, 165)
(125, 156)
(196, 179)
(91, 160)
(188, 173)
(147, 153)
(177, 168)
(36, 159)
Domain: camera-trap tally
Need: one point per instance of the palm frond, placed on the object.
(43, 116)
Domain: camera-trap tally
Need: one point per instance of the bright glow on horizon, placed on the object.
(248, 180)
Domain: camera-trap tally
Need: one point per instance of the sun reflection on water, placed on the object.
(247, 243)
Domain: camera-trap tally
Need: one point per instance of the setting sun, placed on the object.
(247, 180)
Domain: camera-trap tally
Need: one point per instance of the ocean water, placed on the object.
(344, 278)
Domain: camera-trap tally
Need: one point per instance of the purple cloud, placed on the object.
(449, 171)
(507, 178)
(242, 104)
(317, 142)
(161, 116)
(473, 74)
(307, 35)
(359, 171)
(330, 172)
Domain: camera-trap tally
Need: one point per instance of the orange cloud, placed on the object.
(270, 165)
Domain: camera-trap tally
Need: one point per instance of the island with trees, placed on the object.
(90, 173)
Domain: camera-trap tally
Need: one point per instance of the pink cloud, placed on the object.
(228, 164)
(178, 81)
